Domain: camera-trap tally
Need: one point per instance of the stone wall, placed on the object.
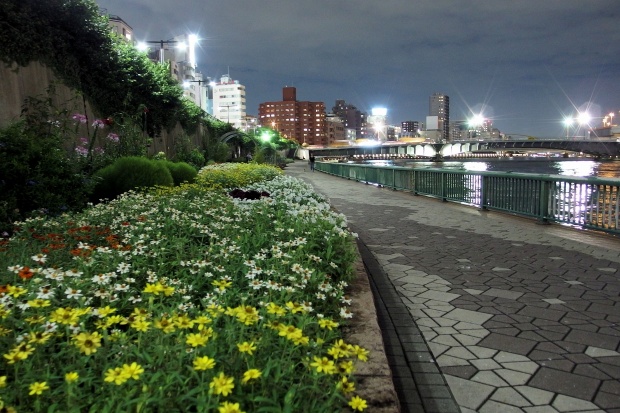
(34, 80)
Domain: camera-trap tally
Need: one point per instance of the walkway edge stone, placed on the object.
(374, 377)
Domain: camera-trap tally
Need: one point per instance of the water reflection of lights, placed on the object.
(475, 166)
(581, 168)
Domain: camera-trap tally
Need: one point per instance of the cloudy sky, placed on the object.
(525, 64)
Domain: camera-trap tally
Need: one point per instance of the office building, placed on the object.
(352, 118)
(301, 121)
(439, 106)
(229, 102)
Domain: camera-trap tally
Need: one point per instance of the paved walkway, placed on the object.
(482, 311)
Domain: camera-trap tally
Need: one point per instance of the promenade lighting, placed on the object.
(143, 46)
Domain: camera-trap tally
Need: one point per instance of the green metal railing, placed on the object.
(586, 202)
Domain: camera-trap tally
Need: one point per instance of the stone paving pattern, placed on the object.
(482, 311)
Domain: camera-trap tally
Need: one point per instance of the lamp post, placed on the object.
(144, 46)
(187, 83)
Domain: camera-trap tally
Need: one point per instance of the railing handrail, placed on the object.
(590, 202)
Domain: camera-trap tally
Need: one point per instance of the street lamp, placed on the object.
(187, 84)
(143, 46)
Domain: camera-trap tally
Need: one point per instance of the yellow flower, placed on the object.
(71, 377)
(340, 349)
(250, 375)
(227, 407)
(105, 311)
(183, 321)
(115, 319)
(64, 316)
(37, 303)
(222, 384)
(15, 356)
(221, 284)
(361, 353)
(346, 367)
(294, 307)
(323, 364)
(204, 363)
(141, 325)
(4, 312)
(2, 381)
(37, 388)
(39, 337)
(202, 321)
(168, 291)
(357, 403)
(196, 340)
(133, 370)
(88, 343)
(300, 340)
(15, 291)
(116, 375)
(327, 323)
(346, 386)
(164, 324)
(246, 347)
(152, 289)
(35, 319)
(273, 308)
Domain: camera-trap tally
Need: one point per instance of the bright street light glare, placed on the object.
(142, 46)
(476, 120)
(568, 121)
(584, 118)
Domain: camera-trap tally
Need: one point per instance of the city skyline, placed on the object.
(525, 65)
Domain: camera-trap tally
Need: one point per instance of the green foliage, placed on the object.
(130, 173)
(235, 175)
(181, 172)
(37, 176)
(71, 37)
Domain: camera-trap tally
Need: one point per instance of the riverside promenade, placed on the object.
(483, 311)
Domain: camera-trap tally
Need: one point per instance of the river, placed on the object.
(545, 166)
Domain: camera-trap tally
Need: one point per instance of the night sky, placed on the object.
(525, 64)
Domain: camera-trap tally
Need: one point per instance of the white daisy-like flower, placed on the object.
(345, 313)
(73, 293)
(121, 287)
(39, 258)
(45, 293)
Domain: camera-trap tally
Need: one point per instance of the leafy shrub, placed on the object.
(181, 172)
(36, 175)
(235, 175)
(130, 173)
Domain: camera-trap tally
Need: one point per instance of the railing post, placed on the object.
(415, 182)
(545, 187)
(483, 192)
(444, 184)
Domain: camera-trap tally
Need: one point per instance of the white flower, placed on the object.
(45, 293)
(121, 287)
(123, 268)
(345, 313)
(73, 293)
(39, 258)
(135, 299)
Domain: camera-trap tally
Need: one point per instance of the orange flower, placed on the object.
(25, 273)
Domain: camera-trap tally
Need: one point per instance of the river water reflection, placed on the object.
(584, 168)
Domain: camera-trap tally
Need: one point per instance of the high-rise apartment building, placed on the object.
(229, 102)
(301, 121)
(439, 105)
(352, 118)
(409, 128)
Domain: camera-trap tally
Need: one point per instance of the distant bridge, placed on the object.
(598, 148)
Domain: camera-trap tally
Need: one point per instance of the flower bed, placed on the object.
(182, 299)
